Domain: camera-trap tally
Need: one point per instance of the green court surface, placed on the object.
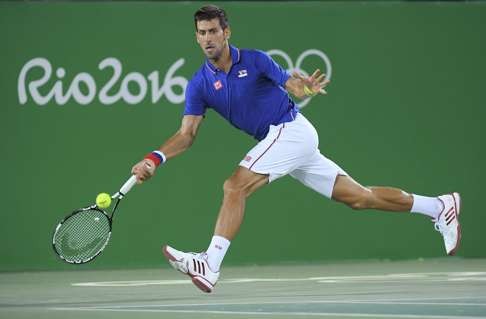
(436, 288)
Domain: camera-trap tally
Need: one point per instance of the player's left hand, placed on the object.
(315, 83)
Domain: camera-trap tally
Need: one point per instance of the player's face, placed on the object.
(212, 38)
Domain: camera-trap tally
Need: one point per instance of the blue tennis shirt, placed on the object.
(251, 96)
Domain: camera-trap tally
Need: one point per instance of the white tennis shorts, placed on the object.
(292, 148)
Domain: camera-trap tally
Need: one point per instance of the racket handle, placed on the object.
(128, 185)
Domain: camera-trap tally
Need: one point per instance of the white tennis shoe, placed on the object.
(194, 265)
(447, 223)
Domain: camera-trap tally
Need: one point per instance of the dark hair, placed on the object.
(210, 12)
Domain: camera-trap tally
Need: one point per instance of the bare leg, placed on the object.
(351, 193)
(237, 188)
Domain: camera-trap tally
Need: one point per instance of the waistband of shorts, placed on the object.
(289, 116)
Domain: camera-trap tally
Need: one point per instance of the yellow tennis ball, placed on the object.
(103, 200)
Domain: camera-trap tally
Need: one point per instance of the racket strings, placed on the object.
(82, 236)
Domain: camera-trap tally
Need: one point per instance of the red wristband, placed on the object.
(156, 156)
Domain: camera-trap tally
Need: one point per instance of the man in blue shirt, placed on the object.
(250, 94)
(250, 90)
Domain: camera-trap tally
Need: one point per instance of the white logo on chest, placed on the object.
(242, 73)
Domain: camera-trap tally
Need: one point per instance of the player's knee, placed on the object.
(232, 186)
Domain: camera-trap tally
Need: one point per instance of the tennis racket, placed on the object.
(81, 236)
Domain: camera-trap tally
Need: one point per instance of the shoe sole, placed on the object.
(457, 205)
(199, 282)
(202, 284)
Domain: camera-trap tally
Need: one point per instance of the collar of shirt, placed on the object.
(235, 58)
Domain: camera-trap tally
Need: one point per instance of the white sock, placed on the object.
(430, 206)
(216, 251)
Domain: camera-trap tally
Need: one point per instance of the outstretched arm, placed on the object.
(303, 87)
(175, 145)
(183, 138)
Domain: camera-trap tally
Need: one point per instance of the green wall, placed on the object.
(405, 108)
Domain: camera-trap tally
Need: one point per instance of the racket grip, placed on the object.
(128, 185)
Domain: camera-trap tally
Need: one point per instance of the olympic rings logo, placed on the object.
(300, 60)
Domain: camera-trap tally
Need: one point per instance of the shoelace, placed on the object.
(201, 255)
(204, 256)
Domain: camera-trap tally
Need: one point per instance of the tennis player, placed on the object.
(251, 91)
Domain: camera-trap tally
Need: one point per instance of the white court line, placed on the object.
(270, 313)
(429, 277)
(371, 302)
(132, 283)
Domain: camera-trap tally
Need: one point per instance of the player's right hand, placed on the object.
(143, 170)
